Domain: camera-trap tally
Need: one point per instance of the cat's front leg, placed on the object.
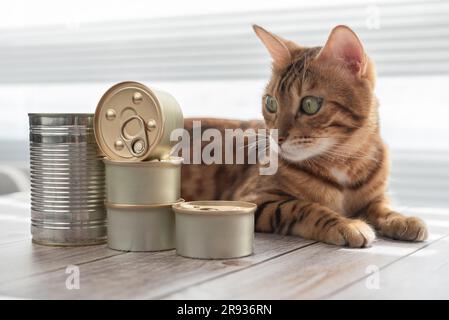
(392, 224)
(311, 221)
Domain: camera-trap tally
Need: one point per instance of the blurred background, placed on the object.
(60, 56)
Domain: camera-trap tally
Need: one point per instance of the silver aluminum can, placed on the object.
(143, 183)
(67, 181)
(214, 229)
(141, 227)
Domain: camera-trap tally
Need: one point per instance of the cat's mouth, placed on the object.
(299, 150)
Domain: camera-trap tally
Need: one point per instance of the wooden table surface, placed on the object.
(281, 267)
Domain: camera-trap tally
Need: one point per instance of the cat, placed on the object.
(333, 165)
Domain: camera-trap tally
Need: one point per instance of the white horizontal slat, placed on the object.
(413, 39)
(303, 33)
(207, 23)
(420, 178)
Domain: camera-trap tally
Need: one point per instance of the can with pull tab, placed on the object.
(134, 122)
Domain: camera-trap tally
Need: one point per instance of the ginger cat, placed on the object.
(333, 165)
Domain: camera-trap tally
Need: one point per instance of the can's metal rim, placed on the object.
(67, 194)
(69, 212)
(56, 114)
(97, 127)
(53, 168)
(200, 207)
(66, 145)
(82, 243)
(57, 180)
(209, 258)
(141, 206)
(176, 161)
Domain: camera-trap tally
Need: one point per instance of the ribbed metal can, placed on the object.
(67, 181)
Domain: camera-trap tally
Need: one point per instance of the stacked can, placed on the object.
(67, 181)
(132, 126)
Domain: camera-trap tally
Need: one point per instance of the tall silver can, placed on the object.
(67, 181)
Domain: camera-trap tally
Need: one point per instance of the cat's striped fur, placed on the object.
(333, 166)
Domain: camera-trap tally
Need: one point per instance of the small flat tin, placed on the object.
(143, 183)
(141, 227)
(214, 229)
(133, 122)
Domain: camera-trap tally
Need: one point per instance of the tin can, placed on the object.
(134, 122)
(141, 227)
(67, 181)
(143, 183)
(214, 229)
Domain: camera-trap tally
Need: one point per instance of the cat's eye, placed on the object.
(271, 105)
(311, 105)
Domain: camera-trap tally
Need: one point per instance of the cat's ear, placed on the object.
(343, 46)
(278, 48)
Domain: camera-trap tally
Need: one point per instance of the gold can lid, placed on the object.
(215, 207)
(128, 122)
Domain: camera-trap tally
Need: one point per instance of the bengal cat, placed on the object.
(333, 165)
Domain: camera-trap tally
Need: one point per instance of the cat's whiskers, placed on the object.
(347, 149)
(255, 143)
(344, 156)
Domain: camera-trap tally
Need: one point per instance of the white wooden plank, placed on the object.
(23, 259)
(290, 267)
(144, 275)
(423, 274)
(20, 258)
(14, 218)
(312, 272)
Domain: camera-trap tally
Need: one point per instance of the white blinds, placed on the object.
(407, 38)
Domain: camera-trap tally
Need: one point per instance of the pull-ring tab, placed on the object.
(137, 144)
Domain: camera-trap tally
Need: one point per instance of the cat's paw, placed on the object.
(399, 227)
(351, 233)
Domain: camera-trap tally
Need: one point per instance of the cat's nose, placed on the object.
(282, 139)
